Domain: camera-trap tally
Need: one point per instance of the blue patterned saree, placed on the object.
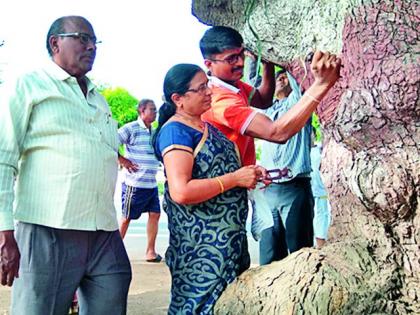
(208, 245)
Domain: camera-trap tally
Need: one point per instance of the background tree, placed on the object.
(1, 70)
(123, 105)
(371, 160)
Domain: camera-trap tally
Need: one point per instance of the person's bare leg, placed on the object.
(152, 230)
(320, 242)
(124, 223)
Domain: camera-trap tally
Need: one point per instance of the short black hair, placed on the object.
(281, 71)
(218, 39)
(143, 103)
(59, 26)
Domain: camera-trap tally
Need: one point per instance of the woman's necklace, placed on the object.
(196, 123)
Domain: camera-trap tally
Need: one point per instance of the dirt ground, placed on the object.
(149, 290)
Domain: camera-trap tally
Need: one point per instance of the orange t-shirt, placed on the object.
(231, 114)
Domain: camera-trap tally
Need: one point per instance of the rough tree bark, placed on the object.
(371, 162)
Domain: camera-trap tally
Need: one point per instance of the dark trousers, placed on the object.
(55, 262)
(292, 206)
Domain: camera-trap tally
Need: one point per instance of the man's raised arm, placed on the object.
(326, 70)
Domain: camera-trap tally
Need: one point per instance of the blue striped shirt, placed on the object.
(295, 153)
(138, 149)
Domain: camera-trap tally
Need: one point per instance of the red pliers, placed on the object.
(278, 173)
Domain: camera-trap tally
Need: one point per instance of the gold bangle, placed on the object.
(222, 188)
(312, 97)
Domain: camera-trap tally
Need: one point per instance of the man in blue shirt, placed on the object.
(290, 198)
(139, 187)
(322, 208)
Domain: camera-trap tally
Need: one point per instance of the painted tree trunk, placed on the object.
(371, 163)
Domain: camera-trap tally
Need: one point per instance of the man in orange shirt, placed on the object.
(232, 112)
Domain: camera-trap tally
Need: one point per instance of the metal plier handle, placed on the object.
(279, 173)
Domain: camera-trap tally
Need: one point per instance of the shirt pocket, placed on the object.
(110, 131)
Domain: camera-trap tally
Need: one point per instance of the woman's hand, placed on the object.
(264, 177)
(248, 176)
(326, 68)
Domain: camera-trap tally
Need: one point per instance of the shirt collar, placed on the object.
(217, 82)
(280, 101)
(56, 71)
(60, 74)
(141, 123)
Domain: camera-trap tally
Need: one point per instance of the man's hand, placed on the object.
(126, 163)
(325, 68)
(250, 54)
(254, 57)
(9, 258)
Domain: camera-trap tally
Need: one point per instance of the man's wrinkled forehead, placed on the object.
(78, 24)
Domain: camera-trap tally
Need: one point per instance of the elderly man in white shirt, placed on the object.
(60, 144)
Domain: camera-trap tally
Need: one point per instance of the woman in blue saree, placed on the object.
(205, 195)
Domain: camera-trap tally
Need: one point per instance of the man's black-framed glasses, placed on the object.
(83, 37)
(202, 89)
(232, 59)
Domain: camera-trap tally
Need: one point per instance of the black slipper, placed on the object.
(157, 259)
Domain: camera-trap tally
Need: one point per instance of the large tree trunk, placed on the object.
(371, 162)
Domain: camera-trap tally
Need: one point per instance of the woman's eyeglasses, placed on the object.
(202, 89)
(83, 37)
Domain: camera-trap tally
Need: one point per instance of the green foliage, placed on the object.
(277, 68)
(258, 149)
(123, 105)
(155, 124)
(161, 188)
(317, 127)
